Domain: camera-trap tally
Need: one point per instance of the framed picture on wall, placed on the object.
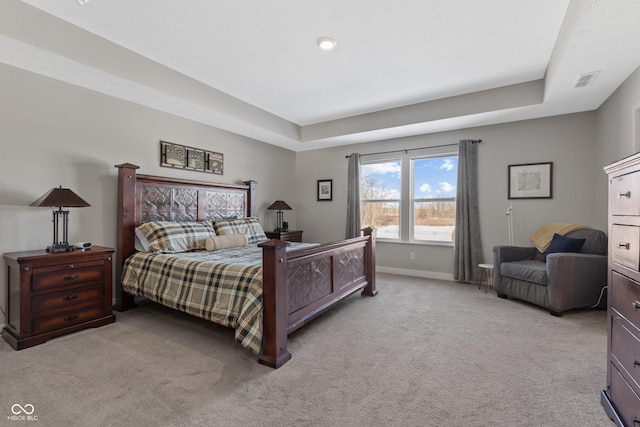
(531, 181)
(183, 157)
(325, 190)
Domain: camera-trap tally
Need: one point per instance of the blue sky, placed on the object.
(434, 177)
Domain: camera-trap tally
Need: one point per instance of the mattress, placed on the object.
(223, 286)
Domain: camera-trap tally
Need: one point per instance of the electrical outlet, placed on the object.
(412, 256)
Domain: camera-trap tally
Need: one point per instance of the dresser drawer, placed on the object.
(625, 242)
(70, 298)
(69, 318)
(625, 297)
(626, 400)
(624, 197)
(67, 275)
(625, 347)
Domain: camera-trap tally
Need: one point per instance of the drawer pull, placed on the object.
(636, 363)
(624, 195)
(624, 245)
(70, 297)
(636, 305)
(77, 276)
(636, 421)
(71, 318)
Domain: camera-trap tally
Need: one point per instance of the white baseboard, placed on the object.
(415, 273)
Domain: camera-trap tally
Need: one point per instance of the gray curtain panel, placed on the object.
(353, 197)
(468, 244)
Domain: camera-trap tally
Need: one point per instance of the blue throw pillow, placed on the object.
(564, 244)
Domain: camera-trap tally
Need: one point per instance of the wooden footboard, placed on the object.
(297, 285)
(300, 284)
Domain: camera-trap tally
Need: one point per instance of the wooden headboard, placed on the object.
(144, 198)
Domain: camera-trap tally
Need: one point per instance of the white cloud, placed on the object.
(447, 187)
(382, 168)
(446, 165)
(425, 188)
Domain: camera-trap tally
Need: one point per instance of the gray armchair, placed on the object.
(557, 281)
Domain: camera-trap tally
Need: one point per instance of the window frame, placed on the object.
(406, 203)
(413, 199)
(399, 201)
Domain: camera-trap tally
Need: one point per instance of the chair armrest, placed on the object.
(512, 253)
(575, 277)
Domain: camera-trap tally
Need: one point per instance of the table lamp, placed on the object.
(60, 198)
(279, 206)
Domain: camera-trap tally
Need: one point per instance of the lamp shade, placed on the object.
(62, 197)
(279, 205)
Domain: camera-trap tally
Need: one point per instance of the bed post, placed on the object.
(125, 230)
(275, 313)
(252, 204)
(370, 263)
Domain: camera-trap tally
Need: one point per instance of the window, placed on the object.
(380, 195)
(410, 199)
(434, 198)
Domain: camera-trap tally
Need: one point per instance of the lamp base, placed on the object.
(60, 247)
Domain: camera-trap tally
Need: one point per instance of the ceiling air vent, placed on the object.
(585, 79)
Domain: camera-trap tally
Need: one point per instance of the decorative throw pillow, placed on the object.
(175, 237)
(249, 226)
(227, 241)
(564, 244)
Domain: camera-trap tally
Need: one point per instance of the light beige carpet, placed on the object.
(421, 353)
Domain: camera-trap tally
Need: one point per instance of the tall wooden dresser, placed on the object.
(621, 399)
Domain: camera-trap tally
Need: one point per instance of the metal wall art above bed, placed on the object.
(183, 157)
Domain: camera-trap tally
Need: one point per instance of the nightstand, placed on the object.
(287, 236)
(52, 294)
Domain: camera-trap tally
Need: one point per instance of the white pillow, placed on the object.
(141, 243)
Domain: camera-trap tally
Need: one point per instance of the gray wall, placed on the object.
(568, 141)
(617, 135)
(58, 134)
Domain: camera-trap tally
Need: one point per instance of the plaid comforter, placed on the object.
(223, 286)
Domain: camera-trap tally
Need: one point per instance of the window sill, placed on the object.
(416, 242)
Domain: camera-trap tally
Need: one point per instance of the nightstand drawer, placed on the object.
(70, 298)
(624, 195)
(69, 318)
(67, 275)
(625, 242)
(625, 297)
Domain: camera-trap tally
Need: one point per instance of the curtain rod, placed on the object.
(406, 150)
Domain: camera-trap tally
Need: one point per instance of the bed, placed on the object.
(283, 285)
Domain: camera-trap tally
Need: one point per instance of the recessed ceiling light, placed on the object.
(326, 43)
